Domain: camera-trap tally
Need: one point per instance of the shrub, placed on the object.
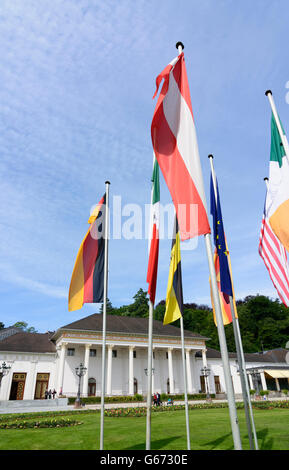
(264, 392)
(284, 391)
(252, 392)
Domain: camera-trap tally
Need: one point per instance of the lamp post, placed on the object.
(205, 371)
(80, 371)
(4, 370)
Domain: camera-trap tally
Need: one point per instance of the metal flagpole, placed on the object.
(239, 349)
(221, 333)
(185, 385)
(246, 384)
(223, 348)
(103, 370)
(149, 375)
(283, 137)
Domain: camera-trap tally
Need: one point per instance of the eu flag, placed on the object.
(220, 241)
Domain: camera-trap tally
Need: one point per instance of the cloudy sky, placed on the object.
(76, 87)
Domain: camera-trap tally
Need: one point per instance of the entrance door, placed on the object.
(17, 386)
(91, 387)
(217, 384)
(42, 380)
(203, 384)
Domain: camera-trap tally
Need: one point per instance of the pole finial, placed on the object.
(107, 182)
(266, 179)
(179, 43)
(210, 156)
(268, 92)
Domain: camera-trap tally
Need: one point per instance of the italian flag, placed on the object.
(154, 233)
(277, 201)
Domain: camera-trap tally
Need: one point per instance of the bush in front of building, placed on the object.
(137, 398)
(264, 393)
(181, 397)
(111, 399)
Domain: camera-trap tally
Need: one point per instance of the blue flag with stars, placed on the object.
(220, 241)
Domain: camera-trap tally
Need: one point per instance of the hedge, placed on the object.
(136, 398)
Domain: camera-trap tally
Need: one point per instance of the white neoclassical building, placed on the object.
(48, 361)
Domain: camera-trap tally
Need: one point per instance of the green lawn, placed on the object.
(210, 430)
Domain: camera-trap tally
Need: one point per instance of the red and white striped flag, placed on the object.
(176, 149)
(274, 256)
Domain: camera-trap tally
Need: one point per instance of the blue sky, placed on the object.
(77, 80)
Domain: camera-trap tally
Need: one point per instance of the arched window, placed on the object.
(91, 387)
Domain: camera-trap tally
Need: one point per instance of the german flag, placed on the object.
(174, 299)
(86, 285)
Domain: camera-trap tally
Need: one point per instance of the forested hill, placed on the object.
(264, 323)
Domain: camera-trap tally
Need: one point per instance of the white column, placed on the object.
(86, 375)
(109, 369)
(31, 392)
(251, 382)
(189, 372)
(205, 364)
(171, 372)
(153, 372)
(130, 370)
(61, 368)
(263, 380)
(277, 385)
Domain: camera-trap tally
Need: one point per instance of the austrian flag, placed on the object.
(176, 149)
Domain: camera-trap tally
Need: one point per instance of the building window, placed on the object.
(167, 355)
(70, 351)
(92, 352)
(114, 353)
(134, 354)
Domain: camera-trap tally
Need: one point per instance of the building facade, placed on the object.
(41, 362)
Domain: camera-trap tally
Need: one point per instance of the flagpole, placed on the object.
(283, 137)
(239, 350)
(149, 376)
(103, 374)
(223, 347)
(221, 334)
(185, 385)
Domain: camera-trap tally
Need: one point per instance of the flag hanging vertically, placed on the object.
(274, 256)
(176, 149)
(277, 200)
(154, 234)
(87, 279)
(221, 260)
(174, 298)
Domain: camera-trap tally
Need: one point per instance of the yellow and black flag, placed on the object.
(174, 299)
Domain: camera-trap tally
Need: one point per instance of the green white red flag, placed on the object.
(154, 233)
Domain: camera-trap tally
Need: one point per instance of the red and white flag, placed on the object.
(176, 149)
(274, 256)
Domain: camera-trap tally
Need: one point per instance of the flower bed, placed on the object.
(44, 423)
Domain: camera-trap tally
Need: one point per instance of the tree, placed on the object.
(2, 326)
(22, 325)
(109, 307)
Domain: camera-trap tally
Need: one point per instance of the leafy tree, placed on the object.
(2, 325)
(109, 307)
(24, 326)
